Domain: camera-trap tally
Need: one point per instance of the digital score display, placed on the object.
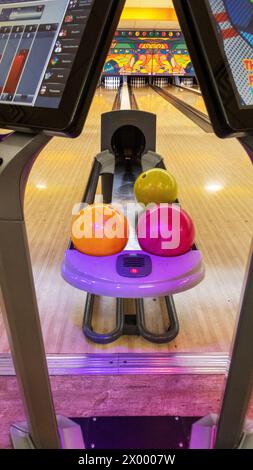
(38, 45)
(233, 20)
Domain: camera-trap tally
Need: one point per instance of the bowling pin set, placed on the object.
(187, 82)
(138, 82)
(160, 81)
(112, 83)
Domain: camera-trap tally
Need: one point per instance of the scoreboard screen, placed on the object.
(38, 45)
(233, 21)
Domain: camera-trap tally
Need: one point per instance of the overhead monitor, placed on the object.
(51, 55)
(219, 35)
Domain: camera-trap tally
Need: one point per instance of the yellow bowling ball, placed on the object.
(156, 186)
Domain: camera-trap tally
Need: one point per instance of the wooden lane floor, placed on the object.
(215, 180)
(56, 183)
(223, 221)
(188, 97)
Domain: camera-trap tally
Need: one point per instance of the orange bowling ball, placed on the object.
(100, 230)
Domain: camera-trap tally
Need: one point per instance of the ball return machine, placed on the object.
(128, 148)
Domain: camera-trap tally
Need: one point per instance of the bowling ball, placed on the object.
(100, 230)
(165, 230)
(155, 186)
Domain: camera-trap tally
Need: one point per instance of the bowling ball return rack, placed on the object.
(128, 144)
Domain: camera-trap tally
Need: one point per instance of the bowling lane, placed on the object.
(215, 180)
(56, 183)
(193, 87)
(198, 160)
(188, 97)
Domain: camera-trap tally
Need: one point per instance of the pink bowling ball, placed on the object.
(166, 230)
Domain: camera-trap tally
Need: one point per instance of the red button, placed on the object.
(134, 271)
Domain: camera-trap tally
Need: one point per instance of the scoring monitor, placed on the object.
(51, 55)
(219, 34)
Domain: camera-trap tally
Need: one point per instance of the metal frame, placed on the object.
(240, 379)
(106, 363)
(230, 431)
(134, 324)
(20, 310)
(173, 328)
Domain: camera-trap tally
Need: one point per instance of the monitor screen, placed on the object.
(233, 19)
(39, 40)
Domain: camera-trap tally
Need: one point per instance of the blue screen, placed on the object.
(233, 20)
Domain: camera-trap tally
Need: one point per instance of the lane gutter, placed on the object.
(193, 114)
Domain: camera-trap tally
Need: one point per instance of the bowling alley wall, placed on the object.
(148, 53)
